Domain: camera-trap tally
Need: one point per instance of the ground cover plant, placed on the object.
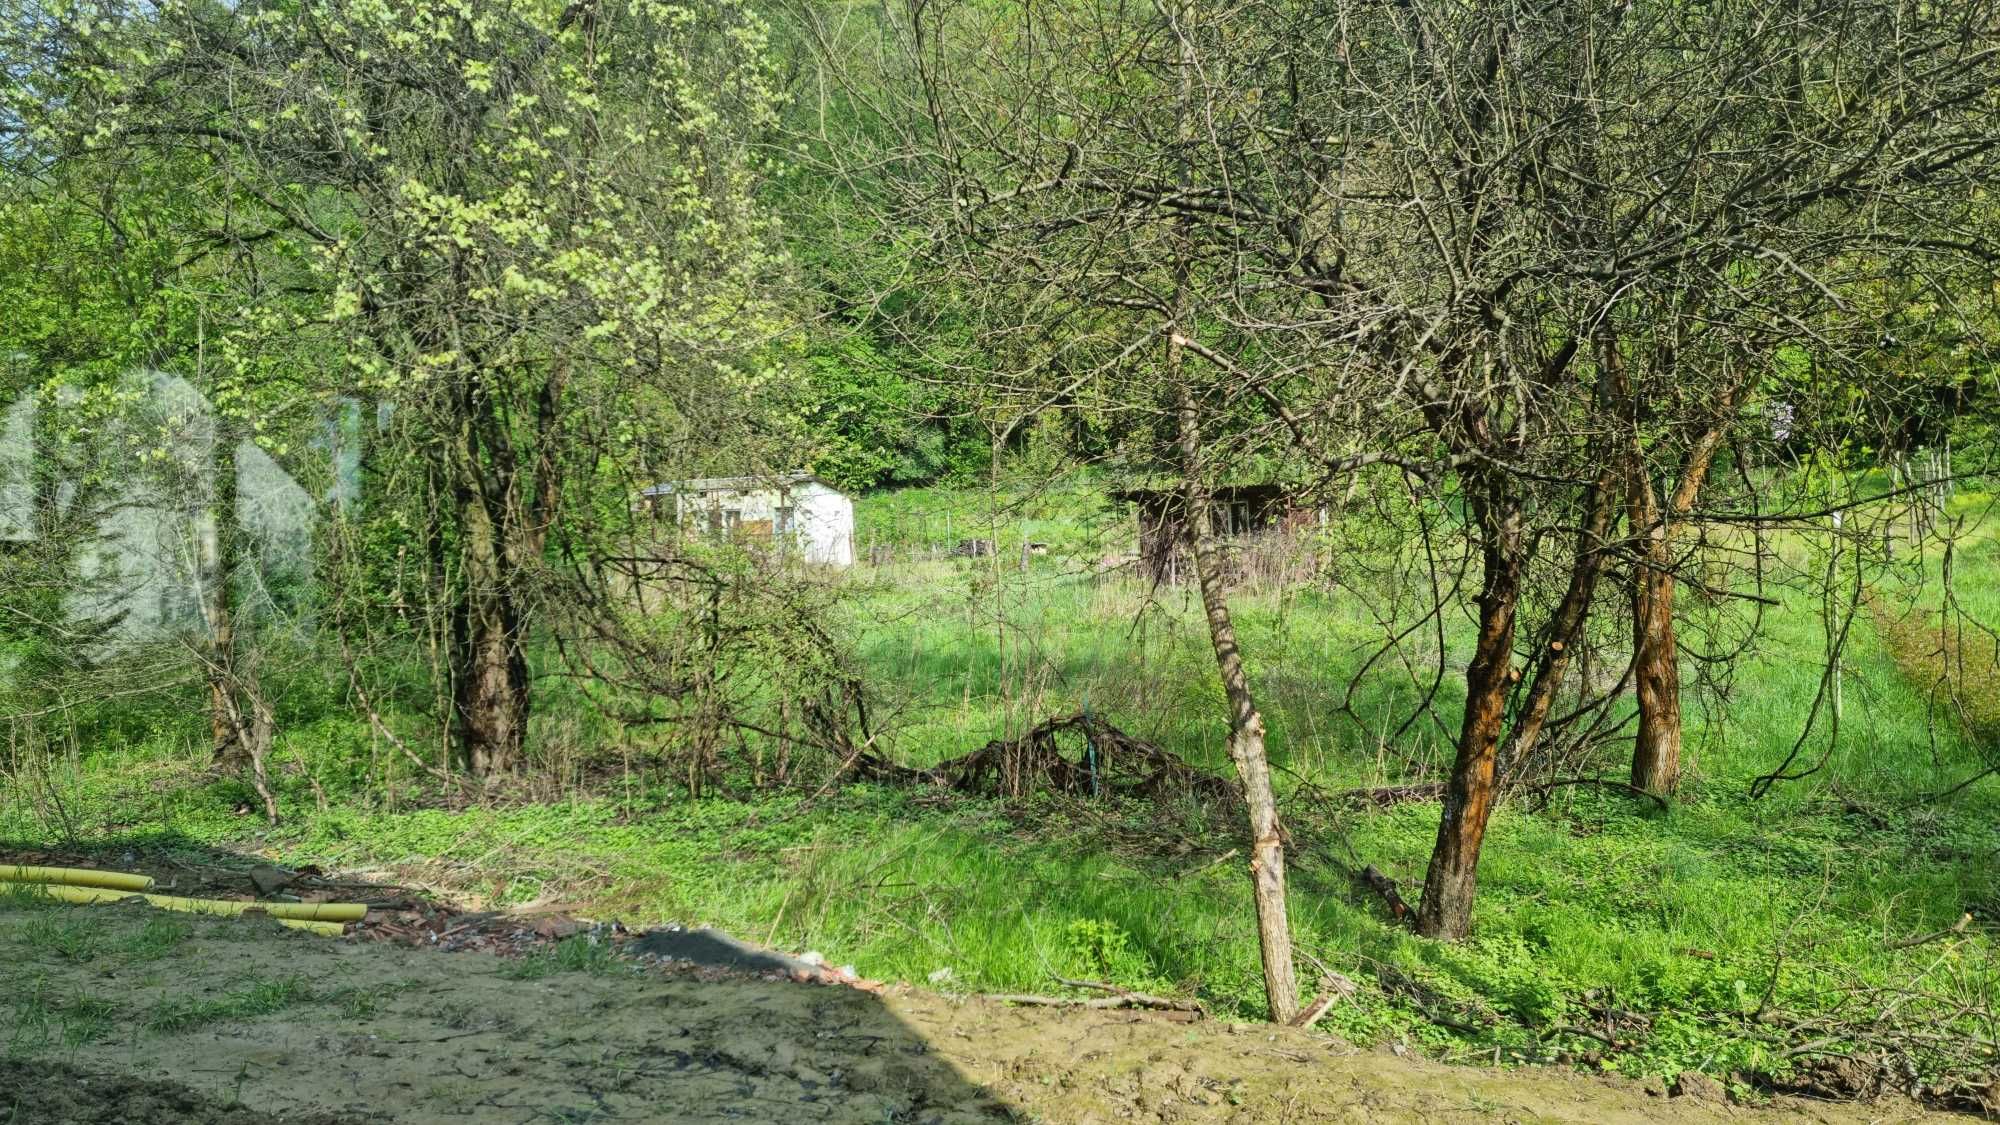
(1469, 527)
(1713, 933)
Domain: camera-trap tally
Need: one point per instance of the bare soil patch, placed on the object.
(44, 1092)
(239, 1016)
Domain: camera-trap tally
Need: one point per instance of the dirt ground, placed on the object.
(112, 1015)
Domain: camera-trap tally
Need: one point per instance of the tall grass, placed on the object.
(1701, 914)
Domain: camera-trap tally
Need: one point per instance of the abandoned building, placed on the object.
(793, 512)
(1235, 512)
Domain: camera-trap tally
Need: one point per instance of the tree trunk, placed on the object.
(227, 751)
(263, 732)
(1566, 627)
(240, 742)
(1246, 724)
(1656, 674)
(1246, 735)
(215, 548)
(1656, 667)
(252, 734)
(1449, 884)
(490, 666)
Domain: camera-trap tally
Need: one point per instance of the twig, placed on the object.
(1608, 783)
(1587, 1033)
(376, 721)
(1957, 927)
(779, 916)
(1218, 861)
(1778, 947)
(1960, 787)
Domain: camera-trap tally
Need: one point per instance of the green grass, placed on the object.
(87, 1019)
(576, 954)
(66, 934)
(27, 896)
(159, 936)
(1071, 514)
(256, 997)
(41, 1019)
(1701, 915)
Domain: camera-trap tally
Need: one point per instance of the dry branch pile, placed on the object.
(1076, 755)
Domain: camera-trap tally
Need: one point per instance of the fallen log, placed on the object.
(1337, 988)
(1389, 796)
(1386, 887)
(1129, 1000)
(1315, 1011)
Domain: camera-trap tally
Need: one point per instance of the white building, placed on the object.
(791, 510)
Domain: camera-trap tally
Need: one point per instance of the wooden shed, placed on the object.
(1235, 512)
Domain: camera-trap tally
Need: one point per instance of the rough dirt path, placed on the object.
(114, 1014)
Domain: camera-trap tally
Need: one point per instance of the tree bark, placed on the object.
(242, 742)
(1246, 724)
(1566, 627)
(1656, 668)
(490, 665)
(226, 750)
(1451, 881)
(1656, 676)
(1246, 732)
(215, 549)
(254, 733)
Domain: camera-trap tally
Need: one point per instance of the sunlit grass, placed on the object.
(1698, 913)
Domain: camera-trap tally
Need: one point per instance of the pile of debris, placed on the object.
(1076, 755)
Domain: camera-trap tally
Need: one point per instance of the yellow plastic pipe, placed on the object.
(75, 877)
(327, 912)
(323, 929)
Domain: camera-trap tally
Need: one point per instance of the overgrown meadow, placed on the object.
(1610, 932)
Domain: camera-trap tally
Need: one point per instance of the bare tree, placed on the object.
(935, 119)
(1547, 255)
(1614, 240)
